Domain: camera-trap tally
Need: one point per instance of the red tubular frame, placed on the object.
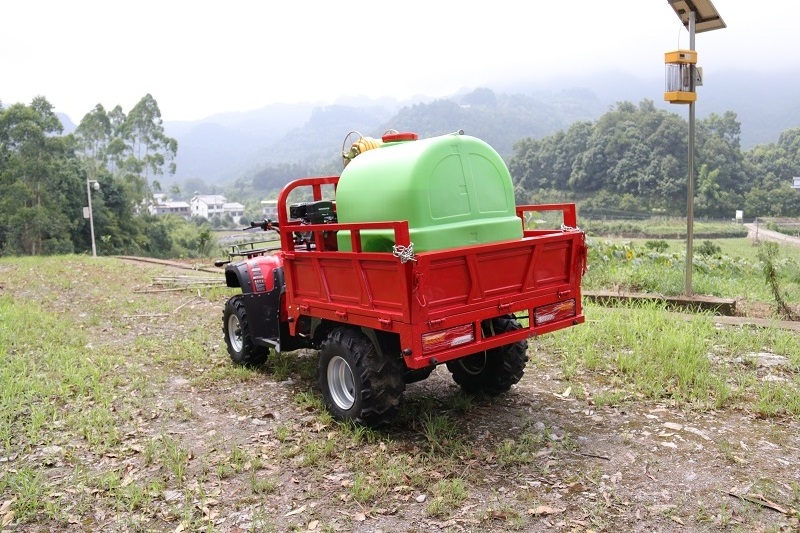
(436, 291)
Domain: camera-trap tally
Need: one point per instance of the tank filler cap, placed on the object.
(399, 137)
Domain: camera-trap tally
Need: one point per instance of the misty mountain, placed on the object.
(499, 119)
(69, 126)
(223, 152)
(765, 104)
(319, 141)
(222, 147)
(227, 147)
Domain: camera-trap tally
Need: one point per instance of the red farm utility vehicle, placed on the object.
(415, 256)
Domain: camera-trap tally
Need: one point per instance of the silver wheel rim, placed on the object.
(235, 333)
(341, 383)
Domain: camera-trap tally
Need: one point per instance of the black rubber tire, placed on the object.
(236, 328)
(494, 371)
(358, 385)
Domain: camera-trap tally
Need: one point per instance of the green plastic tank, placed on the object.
(454, 190)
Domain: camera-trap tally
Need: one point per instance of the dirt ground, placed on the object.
(536, 459)
(638, 468)
(641, 467)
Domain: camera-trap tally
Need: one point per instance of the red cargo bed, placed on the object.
(438, 301)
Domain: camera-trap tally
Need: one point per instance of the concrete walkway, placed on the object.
(761, 232)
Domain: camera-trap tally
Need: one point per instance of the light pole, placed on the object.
(697, 16)
(91, 184)
(690, 193)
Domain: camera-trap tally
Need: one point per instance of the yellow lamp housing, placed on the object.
(679, 72)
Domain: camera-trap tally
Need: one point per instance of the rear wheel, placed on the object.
(493, 371)
(238, 338)
(358, 384)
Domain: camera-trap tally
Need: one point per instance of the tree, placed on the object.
(40, 181)
(127, 153)
(152, 152)
(204, 240)
(712, 199)
(227, 221)
(94, 136)
(719, 149)
(789, 142)
(117, 147)
(637, 155)
(159, 241)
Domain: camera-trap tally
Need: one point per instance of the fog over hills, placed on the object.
(225, 147)
(765, 103)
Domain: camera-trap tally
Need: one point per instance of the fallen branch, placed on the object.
(163, 315)
(173, 289)
(184, 304)
(186, 280)
(596, 456)
(759, 499)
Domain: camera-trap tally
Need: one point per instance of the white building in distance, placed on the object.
(161, 205)
(269, 209)
(208, 205)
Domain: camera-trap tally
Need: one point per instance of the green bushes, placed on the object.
(662, 229)
(768, 254)
(724, 268)
(708, 249)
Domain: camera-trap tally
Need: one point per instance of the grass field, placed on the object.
(734, 270)
(664, 228)
(119, 411)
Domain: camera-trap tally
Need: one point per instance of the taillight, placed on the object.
(447, 338)
(553, 312)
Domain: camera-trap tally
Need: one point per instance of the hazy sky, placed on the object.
(199, 58)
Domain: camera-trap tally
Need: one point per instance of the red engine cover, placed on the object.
(260, 270)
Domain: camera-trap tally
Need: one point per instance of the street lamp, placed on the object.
(91, 184)
(697, 16)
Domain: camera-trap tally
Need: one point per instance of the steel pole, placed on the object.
(91, 216)
(690, 195)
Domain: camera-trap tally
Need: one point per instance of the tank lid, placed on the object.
(402, 136)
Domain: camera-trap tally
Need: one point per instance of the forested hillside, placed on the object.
(634, 160)
(223, 149)
(499, 119)
(227, 147)
(631, 160)
(118, 158)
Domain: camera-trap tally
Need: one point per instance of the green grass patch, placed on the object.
(149, 422)
(52, 380)
(641, 351)
(663, 228)
(734, 271)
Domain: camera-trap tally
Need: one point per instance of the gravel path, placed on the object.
(760, 232)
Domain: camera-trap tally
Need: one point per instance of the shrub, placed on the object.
(708, 248)
(657, 246)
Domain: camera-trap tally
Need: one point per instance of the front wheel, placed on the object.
(358, 384)
(493, 371)
(238, 338)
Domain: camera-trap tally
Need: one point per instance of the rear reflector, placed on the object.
(554, 312)
(447, 338)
